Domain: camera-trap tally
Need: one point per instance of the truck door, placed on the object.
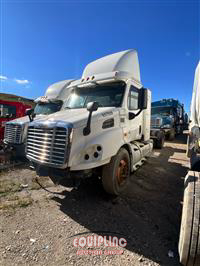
(134, 126)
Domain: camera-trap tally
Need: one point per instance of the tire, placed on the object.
(159, 142)
(189, 241)
(116, 174)
(172, 134)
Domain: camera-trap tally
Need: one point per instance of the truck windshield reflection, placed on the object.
(109, 95)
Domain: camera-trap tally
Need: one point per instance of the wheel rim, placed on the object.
(122, 172)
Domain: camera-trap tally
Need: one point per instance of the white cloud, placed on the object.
(3, 78)
(22, 81)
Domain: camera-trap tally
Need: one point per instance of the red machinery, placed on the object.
(11, 107)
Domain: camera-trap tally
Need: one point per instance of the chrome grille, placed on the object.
(47, 145)
(13, 133)
(156, 122)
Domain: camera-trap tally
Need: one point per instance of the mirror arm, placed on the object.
(138, 113)
(30, 118)
(30, 113)
(87, 129)
(135, 115)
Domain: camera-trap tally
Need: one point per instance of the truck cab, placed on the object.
(51, 102)
(103, 128)
(168, 115)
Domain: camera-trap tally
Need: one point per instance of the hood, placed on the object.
(24, 119)
(78, 117)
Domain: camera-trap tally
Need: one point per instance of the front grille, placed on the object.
(47, 145)
(13, 133)
(156, 122)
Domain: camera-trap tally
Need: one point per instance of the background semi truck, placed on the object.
(16, 130)
(103, 128)
(169, 116)
(11, 107)
(189, 242)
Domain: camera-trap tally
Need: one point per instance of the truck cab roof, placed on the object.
(166, 103)
(56, 92)
(118, 66)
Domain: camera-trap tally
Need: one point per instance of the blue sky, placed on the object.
(47, 41)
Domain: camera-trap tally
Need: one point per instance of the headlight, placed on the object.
(166, 126)
(71, 135)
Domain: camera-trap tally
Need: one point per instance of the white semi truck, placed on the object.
(189, 242)
(102, 129)
(16, 130)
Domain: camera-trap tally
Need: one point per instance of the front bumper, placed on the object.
(61, 176)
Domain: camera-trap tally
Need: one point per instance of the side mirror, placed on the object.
(92, 106)
(143, 99)
(29, 112)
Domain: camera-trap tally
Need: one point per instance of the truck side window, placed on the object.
(133, 98)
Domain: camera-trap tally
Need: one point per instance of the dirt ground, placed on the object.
(38, 227)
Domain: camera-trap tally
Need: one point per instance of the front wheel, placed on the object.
(116, 174)
(172, 134)
(159, 142)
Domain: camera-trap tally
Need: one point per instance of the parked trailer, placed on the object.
(103, 129)
(189, 242)
(12, 106)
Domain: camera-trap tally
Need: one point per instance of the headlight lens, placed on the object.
(166, 126)
(71, 135)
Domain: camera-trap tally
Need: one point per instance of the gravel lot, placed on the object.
(37, 227)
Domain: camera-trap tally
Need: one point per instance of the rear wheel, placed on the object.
(159, 142)
(172, 134)
(116, 174)
(189, 242)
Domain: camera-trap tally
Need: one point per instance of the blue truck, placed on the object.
(168, 116)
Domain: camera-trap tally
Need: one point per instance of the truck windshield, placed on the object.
(7, 111)
(47, 108)
(161, 110)
(106, 95)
